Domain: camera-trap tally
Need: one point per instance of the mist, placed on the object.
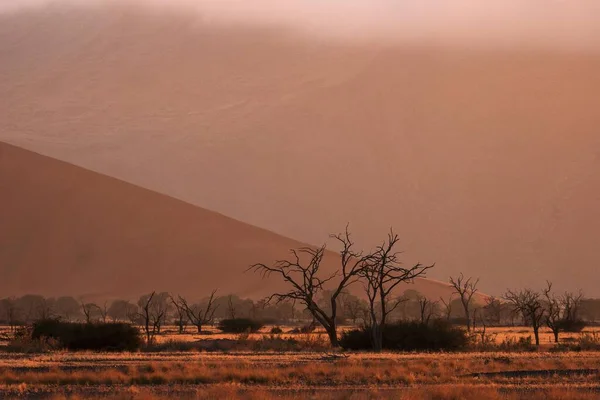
(551, 24)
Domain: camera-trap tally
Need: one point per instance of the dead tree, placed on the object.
(10, 307)
(88, 311)
(447, 304)
(180, 314)
(382, 274)
(466, 289)
(553, 315)
(231, 307)
(153, 312)
(493, 310)
(571, 303)
(427, 309)
(199, 315)
(531, 307)
(103, 311)
(303, 275)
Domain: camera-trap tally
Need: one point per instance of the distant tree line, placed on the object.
(327, 298)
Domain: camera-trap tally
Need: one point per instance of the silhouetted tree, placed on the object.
(303, 275)
(197, 314)
(530, 305)
(10, 311)
(492, 310)
(180, 314)
(466, 289)
(383, 272)
(90, 311)
(427, 309)
(447, 306)
(154, 308)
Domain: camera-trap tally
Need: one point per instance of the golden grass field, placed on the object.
(321, 374)
(313, 375)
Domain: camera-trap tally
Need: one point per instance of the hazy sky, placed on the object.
(484, 161)
(548, 23)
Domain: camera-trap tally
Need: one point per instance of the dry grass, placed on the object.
(251, 375)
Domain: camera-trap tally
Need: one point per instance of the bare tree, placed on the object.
(88, 311)
(103, 311)
(302, 274)
(154, 309)
(447, 305)
(383, 273)
(427, 309)
(11, 312)
(180, 313)
(199, 315)
(354, 308)
(530, 305)
(571, 303)
(231, 307)
(553, 315)
(492, 311)
(466, 289)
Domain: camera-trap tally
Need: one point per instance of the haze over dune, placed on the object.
(478, 142)
(68, 231)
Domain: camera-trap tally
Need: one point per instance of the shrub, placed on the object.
(410, 336)
(240, 325)
(79, 336)
(521, 344)
(576, 325)
(276, 330)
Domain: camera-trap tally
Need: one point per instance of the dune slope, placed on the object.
(66, 230)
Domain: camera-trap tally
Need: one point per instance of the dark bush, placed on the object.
(576, 325)
(276, 330)
(240, 325)
(79, 336)
(410, 336)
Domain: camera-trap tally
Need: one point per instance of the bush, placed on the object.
(410, 336)
(572, 325)
(79, 336)
(240, 325)
(276, 330)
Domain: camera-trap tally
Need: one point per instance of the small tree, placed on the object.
(154, 308)
(427, 309)
(531, 307)
(11, 312)
(492, 310)
(180, 314)
(89, 310)
(383, 272)
(231, 309)
(447, 306)
(553, 315)
(466, 289)
(197, 314)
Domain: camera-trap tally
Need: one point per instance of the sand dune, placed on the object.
(66, 230)
(486, 161)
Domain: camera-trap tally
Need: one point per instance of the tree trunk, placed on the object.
(556, 333)
(377, 338)
(199, 326)
(333, 339)
(536, 333)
